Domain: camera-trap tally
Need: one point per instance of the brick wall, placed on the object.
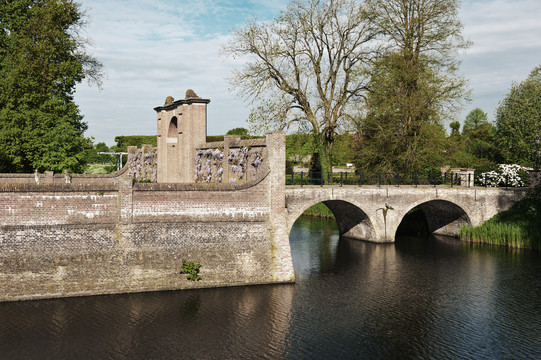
(69, 239)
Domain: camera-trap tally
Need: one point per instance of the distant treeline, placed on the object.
(122, 142)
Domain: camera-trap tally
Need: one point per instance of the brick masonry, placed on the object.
(61, 239)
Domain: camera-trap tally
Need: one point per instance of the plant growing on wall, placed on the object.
(143, 167)
(208, 165)
(242, 161)
(191, 270)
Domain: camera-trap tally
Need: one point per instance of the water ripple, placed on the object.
(416, 299)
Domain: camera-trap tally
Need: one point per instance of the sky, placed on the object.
(151, 49)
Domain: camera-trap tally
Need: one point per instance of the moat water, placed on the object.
(420, 298)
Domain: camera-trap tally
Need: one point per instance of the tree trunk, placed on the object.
(325, 151)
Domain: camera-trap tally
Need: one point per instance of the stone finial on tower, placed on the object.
(190, 94)
(169, 100)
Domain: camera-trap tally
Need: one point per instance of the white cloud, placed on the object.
(506, 38)
(154, 48)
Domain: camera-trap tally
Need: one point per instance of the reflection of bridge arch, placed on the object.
(359, 210)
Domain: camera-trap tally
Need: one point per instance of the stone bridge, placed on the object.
(374, 213)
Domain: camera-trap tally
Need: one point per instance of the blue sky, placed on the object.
(151, 49)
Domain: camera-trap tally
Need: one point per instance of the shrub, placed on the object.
(504, 175)
(191, 270)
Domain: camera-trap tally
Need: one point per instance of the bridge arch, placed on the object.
(352, 221)
(444, 217)
(382, 209)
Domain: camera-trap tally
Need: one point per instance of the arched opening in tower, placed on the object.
(172, 132)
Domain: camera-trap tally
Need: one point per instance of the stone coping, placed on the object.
(62, 175)
(234, 144)
(14, 187)
(203, 186)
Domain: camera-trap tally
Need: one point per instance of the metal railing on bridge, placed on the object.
(385, 178)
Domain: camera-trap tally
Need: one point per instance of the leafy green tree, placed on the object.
(123, 141)
(401, 130)
(455, 128)
(93, 157)
(303, 69)
(518, 120)
(237, 131)
(42, 58)
(475, 119)
(475, 147)
(414, 86)
(299, 148)
(342, 152)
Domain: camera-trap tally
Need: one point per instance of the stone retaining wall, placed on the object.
(67, 239)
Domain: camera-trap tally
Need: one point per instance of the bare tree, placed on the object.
(305, 68)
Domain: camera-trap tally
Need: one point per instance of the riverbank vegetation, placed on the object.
(518, 227)
(319, 210)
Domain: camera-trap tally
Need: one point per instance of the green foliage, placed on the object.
(122, 142)
(517, 235)
(516, 227)
(214, 138)
(289, 167)
(237, 131)
(191, 270)
(100, 169)
(518, 120)
(413, 86)
(342, 149)
(319, 210)
(455, 128)
(300, 147)
(474, 120)
(401, 130)
(42, 59)
(483, 144)
(475, 148)
(94, 158)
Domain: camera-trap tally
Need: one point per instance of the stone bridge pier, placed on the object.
(374, 213)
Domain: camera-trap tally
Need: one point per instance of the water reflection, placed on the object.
(421, 297)
(215, 323)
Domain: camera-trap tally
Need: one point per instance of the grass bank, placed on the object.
(319, 210)
(518, 227)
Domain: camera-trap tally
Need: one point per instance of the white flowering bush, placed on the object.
(505, 175)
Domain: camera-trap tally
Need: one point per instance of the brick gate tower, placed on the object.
(182, 126)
